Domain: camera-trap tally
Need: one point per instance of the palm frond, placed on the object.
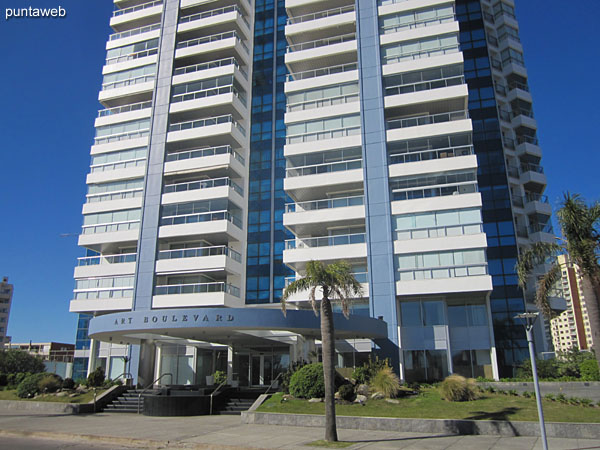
(545, 285)
(299, 285)
(533, 256)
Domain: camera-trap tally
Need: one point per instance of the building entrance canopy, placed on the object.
(225, 325)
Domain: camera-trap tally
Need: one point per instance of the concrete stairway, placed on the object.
(128, 401)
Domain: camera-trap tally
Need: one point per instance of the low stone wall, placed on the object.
(582, 389)
(46, 407)
(433, 426)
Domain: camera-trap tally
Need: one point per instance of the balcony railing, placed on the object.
(527, 140)
(131, 56)
(533, 197)
(325, 241)
(522, 112)
(321, 135)
(321, 42)
(202, 152)
(454, 48)
(209, 65)
(203, 93)
(500, 88)
(212, 38)
(128, 82)
(122, 136)
(426, 155)
(134, 32)
(120, 195)
(322, 72)
(443, 231)
(100, 260)
(320, 14)
(429, 119)
(442, 272)
(203, 184)
(541, 228)
(104, 294)
(197, 288)
(123, 109)
(120, 12)
(200, 252)
(324, 168)
(201, 217)
(329, 203)
(424, 85)
(210, 121)
(139, 162)
(323, 102)
(506, 36)
(508, 142)
(111, 227)
(361, 277)
(418, 24)
(517, 85)
(434, 191)
(531, 168)
(211, 13)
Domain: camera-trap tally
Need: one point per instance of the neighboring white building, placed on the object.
(571, 328)
(6, 293)
(239, 140)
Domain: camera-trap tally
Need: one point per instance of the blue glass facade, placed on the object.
(266, 235)
(507, 297)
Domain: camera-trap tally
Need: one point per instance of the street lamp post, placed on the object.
(529, 320)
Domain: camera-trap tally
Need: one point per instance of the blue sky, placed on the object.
(49, 80)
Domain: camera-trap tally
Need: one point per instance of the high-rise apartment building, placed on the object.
(571, 328)
(6, 293)
(240, 140)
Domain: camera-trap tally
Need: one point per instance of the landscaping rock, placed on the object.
(286, 397)
(360, 399)
(392, 400)
(362, 389)
(377, 396)
(62, 394)
(81, 390)
(337, 396)
(315, 400)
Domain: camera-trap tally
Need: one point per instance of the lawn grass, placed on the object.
(429, 405)
(81, 398)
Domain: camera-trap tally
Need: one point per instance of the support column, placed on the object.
(146, 365)
(93, 358)
(380, 246)
(230, 352)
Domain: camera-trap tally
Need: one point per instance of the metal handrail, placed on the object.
(271, 385)
(213, 393)
(147, 388)
(124, 375)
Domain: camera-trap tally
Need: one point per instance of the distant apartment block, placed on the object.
(6, 292)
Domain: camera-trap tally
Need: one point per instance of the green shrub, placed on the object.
(96, 378)
(513, 392)
(30, 385)
(346, 392)
(220, 377)
(68, 383)
(550, 397)
(14, 379)
(457, 388)
(3, 379)
(50, 383)
(17, 361)
(287, 375)
(308, 382)
(589, 370)
(528, 394)
(363, 374)
(574, 401)
(386, 382)
(586, 402)
(561, 398)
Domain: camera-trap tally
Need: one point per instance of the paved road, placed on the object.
(117, 431)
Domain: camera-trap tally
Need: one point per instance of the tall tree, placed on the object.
(337, 283)
(581, 242)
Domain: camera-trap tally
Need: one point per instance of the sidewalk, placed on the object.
(227, 432)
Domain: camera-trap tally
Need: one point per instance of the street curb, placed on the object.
(445, 426)
(113, 440)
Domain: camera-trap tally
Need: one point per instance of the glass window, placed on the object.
(477, 315)
(411, 314)
(433, 313)
(457, 315)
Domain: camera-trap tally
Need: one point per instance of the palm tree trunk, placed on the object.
(328, 343)
(592, 304)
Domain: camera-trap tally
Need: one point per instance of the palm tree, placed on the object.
(336, 282)
(578, 223)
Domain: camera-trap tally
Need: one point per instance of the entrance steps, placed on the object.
(128, 401)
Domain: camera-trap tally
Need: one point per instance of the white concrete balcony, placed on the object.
(342, 176)
(117, 201)
(320, 141)
(472, 200)
(131, 61)
(518, 91)
(312, 25)
(433, 166)
(99, 305)
(97, 235)
(199, 294)
(221, 45)
(299, 297)
(215, 259)
(215, 131)
(205, 159)
(323, 108)
(428, 125)
(437, 239)
(327, 76)
(533, 178)
(537, 204)
(529, 146)
(124, 113)
(313, 217)
(134, 170)
(138, 16)
(386, 7)
(403, 156)
(218, 100)
(203, 190)
(542, 233)
(211, 69)
(218, 224)
(420, 64)
(105, 265)
(403, 33)
(299, 251)
(523, 118)
(216, 20)
(457, 279)
(134, 35)
(313, 55)
(184, 4)
(421, 54)
(414, 25)
(133, 90)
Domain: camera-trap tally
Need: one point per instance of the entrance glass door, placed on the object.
(256, 377)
